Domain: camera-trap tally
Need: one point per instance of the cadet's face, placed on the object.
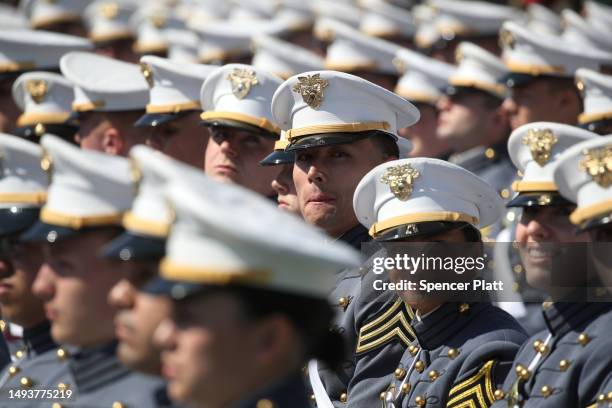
(233, 156)
(208, 349)
(530, 103)
(601, 237)
(183, 139)
(17, 273)
(461, 116)
(544, 235)
(138, 315)
(325, 180)
(419, 300)
(425, 142)
(285, 190)
(91, 131)
(74, 284)
(9, 111)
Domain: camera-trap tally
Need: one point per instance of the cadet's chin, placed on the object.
(138, 359)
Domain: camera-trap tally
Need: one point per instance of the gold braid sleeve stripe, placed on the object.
(392, 324)
(476, 391)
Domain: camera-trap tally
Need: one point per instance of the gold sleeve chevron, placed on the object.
(475, 392)
(392, 324)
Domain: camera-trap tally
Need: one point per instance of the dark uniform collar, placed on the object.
(480, 157)
(355, 236)
(96, 367)
(563, 317)
(38, 339)
(436, 328)
(288, 392)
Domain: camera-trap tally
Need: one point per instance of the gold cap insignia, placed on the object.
(158, 20)
(242, 80)
(580, 86)
(399, 65)
(147, 73)
(458, 55)
(311, 88)
(135, 174)
(506, 39)
(598, 164)
(38, 89)
(400, 180)
(540, 142)
(109, 10)
(46, 163)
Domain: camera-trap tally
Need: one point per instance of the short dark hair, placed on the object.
(385, 143)
(312, 318)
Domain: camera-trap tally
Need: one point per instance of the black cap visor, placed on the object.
(278, 157)
(43, 232)
(539, 199)
(330, 139)
(427, 229)
(156, 119)
(236, 124)
(15, 220)
(173, 289)
(131, 246)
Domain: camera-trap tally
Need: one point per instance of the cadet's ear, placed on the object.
(275, 338)
(569, 100)
(112, 141)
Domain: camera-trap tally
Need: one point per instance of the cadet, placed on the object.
(457, 21)
(173, 111)
(422, 83)
(62, 16)
(227, 41)
(110, 95)
(86, 199)
(583, 178)
(250, 307)
(472, 120)
(596, 89)
(357, 53)
(22, 191)
(548, 370)
(109, 28)
(236, 102)
(462, 350)
(384, 20)
(25, 50)
(45, 98)
(340, 126)
(282, 58)
(541, 71)
(282, 184)
(141, 247)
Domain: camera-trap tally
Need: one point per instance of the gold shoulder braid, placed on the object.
(393, 324)
(477, 391)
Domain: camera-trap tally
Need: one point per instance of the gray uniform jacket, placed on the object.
(461, 354)
(564, 365)
(33, 366)
(98, 380)
(375, 329)
(290, 392)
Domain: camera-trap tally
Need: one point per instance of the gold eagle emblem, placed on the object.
(400, 180)
(598, 164)
(38, 89)
(540, 142)
(242, 80)
(311, 88)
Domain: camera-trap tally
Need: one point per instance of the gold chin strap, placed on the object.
(451, 216)
(293, 134)
(78, 221)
